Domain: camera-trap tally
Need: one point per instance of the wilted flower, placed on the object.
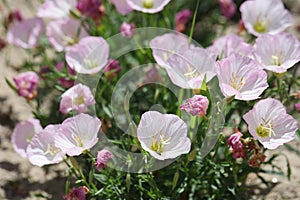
(127, 30)
(12, 17)
(26, 33)
(76, 98)
(297, 107)
(265, 16)
(56, 9)
(226, 45)
(166, 45)
(42, 150)
(182, 18)
(89, 56)
(269, 123)
(78, 134)
(238, 150)
(23, 133)
(103, 157)
(241, 77)
(122, 6)
(148, 6)
(164, 136)
(63, 33)
(27, 84)
(77, 193)
(277, 53)
(187, 70)
(196, 106)
(228, 8)
(256, 160)
(91, 8)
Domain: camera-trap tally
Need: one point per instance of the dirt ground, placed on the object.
(21, 180)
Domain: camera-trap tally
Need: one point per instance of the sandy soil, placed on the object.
(21, 180)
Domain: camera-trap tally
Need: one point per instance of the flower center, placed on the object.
(77, 140)
(260, 26)
(192, 73)
(90, 64)
(158, 144)
(52, 149)
(265, 129)
(70, 41)
(79, 100)
(148, 4)
(277, 60)
(236, 82)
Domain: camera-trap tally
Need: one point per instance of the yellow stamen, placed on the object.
(236, 82)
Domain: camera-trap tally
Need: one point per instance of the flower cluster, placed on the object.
(245, 73)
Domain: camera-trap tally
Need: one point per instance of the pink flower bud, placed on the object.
(27, 84)
(234, 139)
(127, 30)
(196, 105)
(102, 158)
(182, 18)
(228, 8)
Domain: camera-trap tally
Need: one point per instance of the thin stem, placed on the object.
(194, 21)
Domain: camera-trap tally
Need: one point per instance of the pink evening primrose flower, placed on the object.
(78, 134)
(27, 84)
(103, 157)
(166, 45)
(122, 6)
(224, 46)
(76, 98)
(241, 77)
(265, 16)
(196, 106)
(63, 33)
(269, 123)
(89, 56)
(42, 150)
(26, 33)
(228, 8)
(23, 133)
(148, 6)
(164, 136)
(277, 53)
(127, 30)
(188, 69)
(56, 9)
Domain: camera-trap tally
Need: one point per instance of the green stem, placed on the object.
(194, 21)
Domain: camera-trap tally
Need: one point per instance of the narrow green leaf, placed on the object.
(175, 180)
(128, 181)
(74, 163)
(11, 85)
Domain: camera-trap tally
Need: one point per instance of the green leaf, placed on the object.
(74, 163)
(128, 181)
(175, 180)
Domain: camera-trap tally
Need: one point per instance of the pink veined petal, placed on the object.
(23, 133)
(122, 6)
